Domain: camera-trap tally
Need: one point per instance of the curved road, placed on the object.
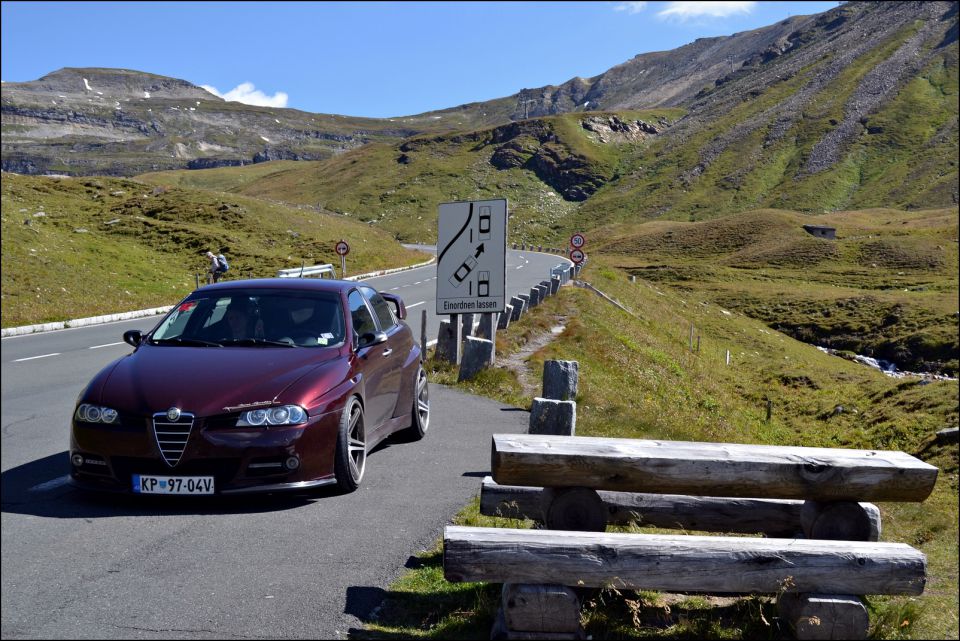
(78, 566)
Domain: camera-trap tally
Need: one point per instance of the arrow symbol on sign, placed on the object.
(479, 251)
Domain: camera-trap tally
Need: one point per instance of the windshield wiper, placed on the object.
(257, 342)
(184, 342)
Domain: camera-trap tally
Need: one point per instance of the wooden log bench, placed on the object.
(818, 581)
(579, 483)
(770, 517)
(833, 484)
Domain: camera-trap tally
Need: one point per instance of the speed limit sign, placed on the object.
(577, 241)
(577, 256)
(343, 248)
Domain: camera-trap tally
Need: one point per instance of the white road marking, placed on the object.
(415, 304)
(30, 358)
(432, 343)
(50, 485)
(106, 345)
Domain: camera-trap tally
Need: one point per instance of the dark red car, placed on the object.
(253, 386)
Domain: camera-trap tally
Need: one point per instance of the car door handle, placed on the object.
(387, 352)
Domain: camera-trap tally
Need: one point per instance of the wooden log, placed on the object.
(772, 517)
(710, 469)
(840, 520)
(540, 608)
(573, 508)
(681, 563)
(825, 616)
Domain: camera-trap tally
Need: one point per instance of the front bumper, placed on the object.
(240, 460)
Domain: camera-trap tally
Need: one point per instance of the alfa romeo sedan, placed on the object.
(253, 386)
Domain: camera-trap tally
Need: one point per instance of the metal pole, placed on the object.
(343, 266)
(423, 331)
(457, 336)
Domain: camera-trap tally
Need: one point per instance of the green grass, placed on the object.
(105, 245)
(372, 185)
(887, 287)
(640, 379)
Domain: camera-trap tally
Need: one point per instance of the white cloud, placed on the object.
(684, 11)
(631, 7)
(250, 95)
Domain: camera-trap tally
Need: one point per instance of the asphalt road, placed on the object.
(82, 566)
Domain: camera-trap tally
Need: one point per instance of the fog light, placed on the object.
(77, 460)
(292, 463)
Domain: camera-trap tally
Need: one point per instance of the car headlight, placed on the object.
(88, 413)
(283, 415)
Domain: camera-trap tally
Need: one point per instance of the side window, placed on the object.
(362, 319)
(381, 308)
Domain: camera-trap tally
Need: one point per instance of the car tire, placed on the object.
(350, 457)
(420, 414)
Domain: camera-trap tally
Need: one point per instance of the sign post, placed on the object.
(342, 250)
(471, 258)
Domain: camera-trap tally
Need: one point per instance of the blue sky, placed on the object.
(376, 59)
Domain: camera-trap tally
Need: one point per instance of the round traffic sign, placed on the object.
(577, 241)
(577, 256)
(343, 248)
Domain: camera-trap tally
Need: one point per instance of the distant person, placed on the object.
(218, 265)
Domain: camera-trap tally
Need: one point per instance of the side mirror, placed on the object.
(397, 303)
(133, 337)
(372, 338)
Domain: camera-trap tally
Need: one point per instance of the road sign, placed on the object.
(343, 248)
(577, 241)
(577, 256)
(471, 258)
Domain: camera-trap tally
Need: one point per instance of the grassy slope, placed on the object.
(75, 261)
(908, 161)
(887, 287)
(639, 379)
(372, 184)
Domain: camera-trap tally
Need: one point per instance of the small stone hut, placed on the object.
(821, 231)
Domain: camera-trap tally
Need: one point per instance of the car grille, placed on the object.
(172, 436)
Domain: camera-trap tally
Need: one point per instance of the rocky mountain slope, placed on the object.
(119, 122)
(837, 121)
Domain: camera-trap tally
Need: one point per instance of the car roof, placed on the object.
(292, 284)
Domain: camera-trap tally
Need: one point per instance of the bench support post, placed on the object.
(825, 616)
(840, 520)
(533, 611)
(573, 508)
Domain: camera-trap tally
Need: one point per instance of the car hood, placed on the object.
(204, 381)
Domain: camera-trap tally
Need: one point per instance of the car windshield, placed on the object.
(254, 318)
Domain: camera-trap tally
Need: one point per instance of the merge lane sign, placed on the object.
(471, 259)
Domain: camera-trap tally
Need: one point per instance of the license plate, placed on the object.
(143, 484)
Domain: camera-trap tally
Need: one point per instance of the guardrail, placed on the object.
(314, 271)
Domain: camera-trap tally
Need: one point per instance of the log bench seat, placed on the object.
(771, 517)
(710, 469)
(680, 562)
